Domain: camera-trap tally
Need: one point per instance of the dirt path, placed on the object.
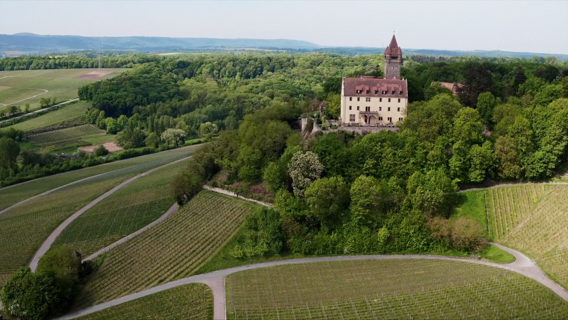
(53, 236)
(232, 194)
(41, 109)
(216, 279)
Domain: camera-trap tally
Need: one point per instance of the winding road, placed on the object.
(216, 279)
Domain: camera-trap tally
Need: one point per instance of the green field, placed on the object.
(12, 195)
(188, 302)
(173, 249)
(67, 136)
(389, 289)
(66, 113)
(18, 86)
(532, 219)
(129, 209)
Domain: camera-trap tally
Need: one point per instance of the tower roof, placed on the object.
(393, 48)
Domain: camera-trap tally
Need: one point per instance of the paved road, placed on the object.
(51, 239)
(215, 280)
(40, 110)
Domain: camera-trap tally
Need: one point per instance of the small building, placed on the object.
(451, 86)
(369, 101)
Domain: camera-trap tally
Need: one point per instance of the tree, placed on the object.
(186, 185)
(435, 89)
(485, 104)
(152, 140)
(131, 136)
(275, 176)
(27, 107)
(467, 126)
(111, 125)
(100, 151)
(477, 80)
(564, 84)
(333, 106)
(509, 163)
(304, 168)
(371, 200)
(207, 129)
(9, 151)
(430, 193)
(43, 102)
(333, 85)
(483, 162)
(328, 199)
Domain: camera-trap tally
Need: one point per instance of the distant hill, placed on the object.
(29, 43)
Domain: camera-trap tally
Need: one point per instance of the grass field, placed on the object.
(73, 135)
(70, 112)
(173, 249)
(389, 289)
(12, 195)
(61, 83)
(189, 302)
(129, 209)
(532, 219)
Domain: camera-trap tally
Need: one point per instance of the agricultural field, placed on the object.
(188, 302)
(72, 111)
(129, 209)
(13, 194)
(389, 289)
(21, 87)
(173, 249)
(67, 136)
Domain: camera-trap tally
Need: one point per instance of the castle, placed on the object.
(368, 101)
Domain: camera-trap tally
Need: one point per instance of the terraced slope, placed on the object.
(173, 249)
(123, 213)
(188, 302)
(389, 289)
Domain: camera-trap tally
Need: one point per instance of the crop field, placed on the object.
(20, 86)
(69, 112)
(12, 195)
(188, 302)
(66, 136)
(389, 289)
(129, 209)
(173, 249)
(534, 224)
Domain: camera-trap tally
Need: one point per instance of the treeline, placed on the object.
(76, 61)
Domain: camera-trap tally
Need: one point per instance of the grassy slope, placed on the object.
(173, 249)
(123, 213)
(12, 195)
(191, 302)
(72, 111)
(388, 289)
(61, 83)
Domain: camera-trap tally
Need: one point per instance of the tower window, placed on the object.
(368, 99)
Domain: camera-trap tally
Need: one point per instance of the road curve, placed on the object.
(53, 236)
(522, 265)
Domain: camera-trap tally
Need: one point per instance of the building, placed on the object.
(368, 101)
(452, 86)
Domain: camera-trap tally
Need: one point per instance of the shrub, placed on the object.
(100, 151)
(467, 234)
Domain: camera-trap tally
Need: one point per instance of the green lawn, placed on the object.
(69, 112)
(188, 302)
(472, 205)
(173, 249)
(61, 83)
(129, 209)
(389, 289)
(12, 195)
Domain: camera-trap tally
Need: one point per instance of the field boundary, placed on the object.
(232, 194)
(53, 236)
(522, 265)
(513, 185)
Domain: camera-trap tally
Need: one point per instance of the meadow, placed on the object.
(70, 112)
(174, 249)
(189, 302)
(389, 289)
(16, 193)
(129, 209)
(19, 86)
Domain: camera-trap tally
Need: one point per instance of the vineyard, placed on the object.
(173, 249)
(389, 289)
(129, 209)
(66, 136)
(534, 220)
(188, 302)
(12, 195)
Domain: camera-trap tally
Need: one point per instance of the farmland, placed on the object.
(12, 195)
(18, 86)
(191, 302)
(69, 112)
(388, 289)
(123, 213)
(173, 249)
(67, 136)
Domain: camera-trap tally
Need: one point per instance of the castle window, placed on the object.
(368, 99)
(349, 107)
(389, 99)
(357, 108)
(389, 119)
(358, 98)
(400, 91)
(380, 118)
(399, 100)
(380, 108)
(376, 91)
(380, 99)
(393, 92)
(367, 91)
(389, 109)
(367, 109)
(398, 109)
(350, 98)
(357, 91)
(352, 117)
(400, 119)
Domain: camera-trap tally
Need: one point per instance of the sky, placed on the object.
(526, 26)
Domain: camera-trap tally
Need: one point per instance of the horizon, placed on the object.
(527, 26)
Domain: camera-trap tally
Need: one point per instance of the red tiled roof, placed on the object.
(352, 85)
(452, 86)
(393, 48)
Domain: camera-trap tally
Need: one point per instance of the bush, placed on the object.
(467, 234)
(100, 151)
(261, 235)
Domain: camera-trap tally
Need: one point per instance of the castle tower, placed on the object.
(393, 60)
